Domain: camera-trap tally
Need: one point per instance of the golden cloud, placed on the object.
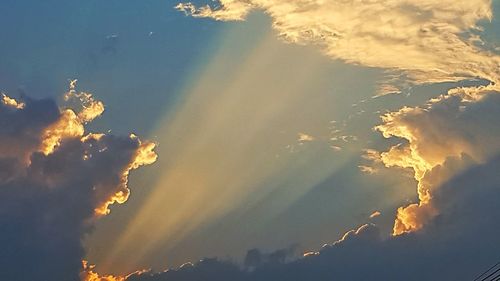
(12, 102)
(88, 274)
(445, 128)
(421, 39)
(56, 173)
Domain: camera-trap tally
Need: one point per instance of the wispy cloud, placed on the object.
(419, 39)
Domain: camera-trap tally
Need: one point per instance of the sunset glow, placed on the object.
(249, 140)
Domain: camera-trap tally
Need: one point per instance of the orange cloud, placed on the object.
(12, 102)
(144, 155)
(71, 124)
(88, 274)
(68, 126)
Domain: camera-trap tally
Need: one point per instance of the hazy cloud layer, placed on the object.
(55, 180)
(426, 41)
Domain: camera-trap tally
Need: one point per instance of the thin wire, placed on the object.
(482, 274)
(491, 274)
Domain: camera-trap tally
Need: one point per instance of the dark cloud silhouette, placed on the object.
(457, 245)
(255, 258)
(55, 180)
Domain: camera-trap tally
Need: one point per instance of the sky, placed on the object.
(249, 140)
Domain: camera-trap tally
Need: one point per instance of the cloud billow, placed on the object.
(55, 181)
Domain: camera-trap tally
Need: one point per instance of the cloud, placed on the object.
(88, 274)
(368, 169)
(255, 258)
(90, 108)
(449, 144)
(56, 179)
(419, 39)
(418, 42)
(230, 11)
(375, 214)
(458, 124)
(8, 101)
(305, 138)
(447, 250)
(452, 147)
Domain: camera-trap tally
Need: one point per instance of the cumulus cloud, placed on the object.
(426, 41)
(56, 179)
(460, 124)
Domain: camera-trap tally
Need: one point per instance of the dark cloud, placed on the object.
(452, 147)
(21, 130)
(255, 258)
(457, 245)
(54, 181)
